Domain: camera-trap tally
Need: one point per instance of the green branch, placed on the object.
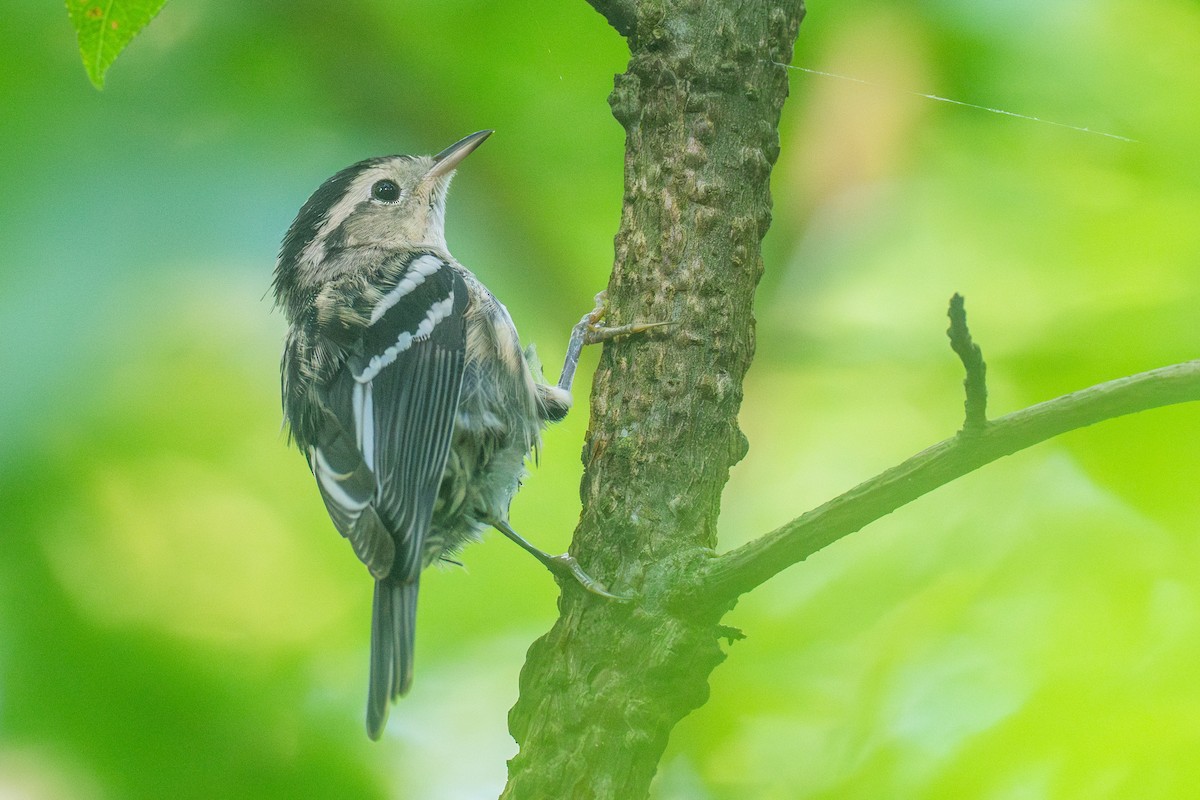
(741, 570)
(975, 382)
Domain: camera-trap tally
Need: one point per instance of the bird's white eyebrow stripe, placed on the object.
(340, 211)
(437, 312)
(417, 272)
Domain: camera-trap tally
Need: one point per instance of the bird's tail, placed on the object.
(393, 622)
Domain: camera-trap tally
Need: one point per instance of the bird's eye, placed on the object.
(385, 191)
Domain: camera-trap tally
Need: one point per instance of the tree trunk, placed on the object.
(700, 103)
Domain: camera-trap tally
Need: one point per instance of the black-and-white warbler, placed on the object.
(405, 385)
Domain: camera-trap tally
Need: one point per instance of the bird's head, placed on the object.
(386, 204)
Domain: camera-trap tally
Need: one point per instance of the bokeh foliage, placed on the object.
(177, 616)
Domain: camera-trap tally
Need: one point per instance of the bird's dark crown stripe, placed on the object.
(314, 215)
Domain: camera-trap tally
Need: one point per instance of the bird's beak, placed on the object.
(445, 161)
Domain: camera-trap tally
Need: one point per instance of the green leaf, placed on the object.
(105, 27)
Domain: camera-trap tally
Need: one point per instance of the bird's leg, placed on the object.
(563, 566)
(589, 331)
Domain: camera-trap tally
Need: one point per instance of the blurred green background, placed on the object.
(178, 617)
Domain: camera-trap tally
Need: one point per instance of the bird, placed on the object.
(406, 388)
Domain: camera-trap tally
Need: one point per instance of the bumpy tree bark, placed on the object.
(601, 692)
(700, 104)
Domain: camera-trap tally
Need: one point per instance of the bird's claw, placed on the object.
(565, 566)
(594, 332)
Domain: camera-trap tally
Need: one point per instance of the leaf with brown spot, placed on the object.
(105, 28)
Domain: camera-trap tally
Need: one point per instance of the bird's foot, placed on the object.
(565, 566)
(594, 332)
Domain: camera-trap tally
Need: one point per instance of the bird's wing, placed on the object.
(380, 453)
